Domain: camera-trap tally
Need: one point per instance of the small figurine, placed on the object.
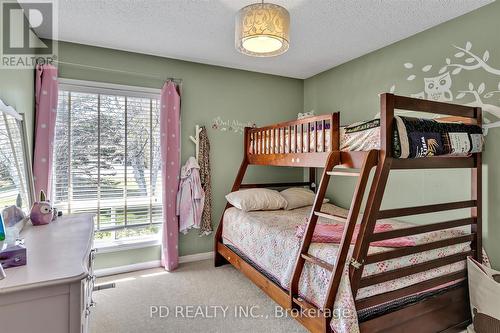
(42, 211)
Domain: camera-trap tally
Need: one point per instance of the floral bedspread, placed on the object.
(268, 239)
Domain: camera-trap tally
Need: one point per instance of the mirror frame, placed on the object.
(20, 118)
(28, 161)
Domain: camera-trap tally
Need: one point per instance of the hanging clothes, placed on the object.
(205, 176)
(191, 197)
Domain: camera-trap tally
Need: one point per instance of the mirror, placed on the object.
(16, 178)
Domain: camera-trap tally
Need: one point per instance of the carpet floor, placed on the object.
(195, 298)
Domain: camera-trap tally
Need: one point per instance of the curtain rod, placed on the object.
(152, 76)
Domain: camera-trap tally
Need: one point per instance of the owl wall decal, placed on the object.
(438, 88)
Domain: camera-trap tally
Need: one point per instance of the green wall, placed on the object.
(208, 92)
(17, 90)
(353, 89)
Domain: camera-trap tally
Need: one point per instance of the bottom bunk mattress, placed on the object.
(268, 239)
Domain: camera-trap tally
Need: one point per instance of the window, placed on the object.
(107, 158)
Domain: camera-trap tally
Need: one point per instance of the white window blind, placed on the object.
(107, 158)
(13, 183)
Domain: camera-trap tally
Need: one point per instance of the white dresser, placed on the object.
(53, 292)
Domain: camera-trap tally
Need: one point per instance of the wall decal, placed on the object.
(472, 61)
(234, 126)
(442, 88)
(438, 88)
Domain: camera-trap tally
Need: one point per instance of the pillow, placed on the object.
(297, 197)
(256, 199)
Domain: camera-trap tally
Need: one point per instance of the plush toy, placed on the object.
(42, 211)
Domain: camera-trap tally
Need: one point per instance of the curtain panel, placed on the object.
(46, 96)
(170, 102)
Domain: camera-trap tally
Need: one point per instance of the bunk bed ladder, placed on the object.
(336, 270)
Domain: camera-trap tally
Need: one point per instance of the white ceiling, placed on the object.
(324, 33)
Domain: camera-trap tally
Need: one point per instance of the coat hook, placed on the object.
(196, 140)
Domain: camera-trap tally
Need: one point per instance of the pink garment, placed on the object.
(191, 197)
(332, 233)
(170, 102)
(46, 95)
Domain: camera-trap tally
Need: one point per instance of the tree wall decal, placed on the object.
(472, 61)
(440, 87)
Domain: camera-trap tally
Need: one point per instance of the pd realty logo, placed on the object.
(22, 25)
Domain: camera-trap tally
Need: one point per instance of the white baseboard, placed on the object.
(127, 268)
(150, 264)
(196, 257)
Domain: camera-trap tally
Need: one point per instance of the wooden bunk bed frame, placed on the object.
(447, 311)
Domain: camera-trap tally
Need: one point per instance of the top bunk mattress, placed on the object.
(412, 138)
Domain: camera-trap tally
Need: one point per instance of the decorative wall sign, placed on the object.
(440, 87)
(234, 126)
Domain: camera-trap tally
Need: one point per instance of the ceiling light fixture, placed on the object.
(262, 30)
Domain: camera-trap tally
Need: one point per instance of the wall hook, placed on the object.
(196, 140)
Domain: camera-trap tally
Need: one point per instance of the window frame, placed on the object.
(103, 88)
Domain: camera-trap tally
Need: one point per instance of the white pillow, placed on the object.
(297, 197)
(256, 199)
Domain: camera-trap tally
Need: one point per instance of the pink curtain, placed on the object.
(46, 94)
(170, 167)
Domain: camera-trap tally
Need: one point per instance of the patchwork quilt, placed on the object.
(415, 137)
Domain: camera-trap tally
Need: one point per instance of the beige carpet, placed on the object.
(196, 291)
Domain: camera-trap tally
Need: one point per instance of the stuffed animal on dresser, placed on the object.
(42, 211)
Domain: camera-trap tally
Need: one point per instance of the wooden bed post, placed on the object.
(219, 260)
(477, 189)
(376, 192)
(312, 179)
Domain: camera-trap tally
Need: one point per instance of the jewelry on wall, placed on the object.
(234, 126)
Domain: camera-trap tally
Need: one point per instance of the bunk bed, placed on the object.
(438, 302)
